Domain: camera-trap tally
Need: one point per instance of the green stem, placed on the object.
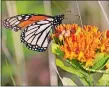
(84, 79)
(91, 80)
(87, 80)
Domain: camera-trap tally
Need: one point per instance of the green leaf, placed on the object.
(74, 70)
(100, 61)
(67, 81)
(54, 47)
(56, 50)
(98, 57)
(104, 80)
(60, 64)
(75, 63)
(56, 40)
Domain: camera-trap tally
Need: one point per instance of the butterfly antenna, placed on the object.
(71, 14)
(65, 13)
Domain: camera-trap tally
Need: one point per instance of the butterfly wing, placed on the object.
(35, 36)
(36, 29)
(21, 21)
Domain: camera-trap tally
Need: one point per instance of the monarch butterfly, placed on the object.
(36, 29)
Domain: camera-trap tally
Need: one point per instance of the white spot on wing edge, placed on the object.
(49, 19)
(19, 17)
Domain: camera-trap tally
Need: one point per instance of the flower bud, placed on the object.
(73, 37)
(63, 32)
(68, 32)
(60, 37)
(107, 34)
(66, 35)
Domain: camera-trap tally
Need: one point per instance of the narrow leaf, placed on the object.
(75, 63)
(60, 64)
(100, 61)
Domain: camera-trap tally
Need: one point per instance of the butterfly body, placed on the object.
(35, 29)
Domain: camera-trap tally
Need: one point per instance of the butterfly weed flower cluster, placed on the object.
(80, 43)
(86, 49)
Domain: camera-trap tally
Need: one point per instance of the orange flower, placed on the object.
(89, 62)
(82, 43)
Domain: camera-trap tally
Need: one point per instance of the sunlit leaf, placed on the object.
(67, 81)
(100, 61)
(98, 57)
(71, 69)
(56, 50)
(104, 80)
(54, 47)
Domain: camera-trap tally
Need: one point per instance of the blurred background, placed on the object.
(21, 66)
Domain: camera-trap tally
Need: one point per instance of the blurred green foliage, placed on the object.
(58, 6)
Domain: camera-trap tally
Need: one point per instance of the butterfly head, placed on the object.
(58, 19)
